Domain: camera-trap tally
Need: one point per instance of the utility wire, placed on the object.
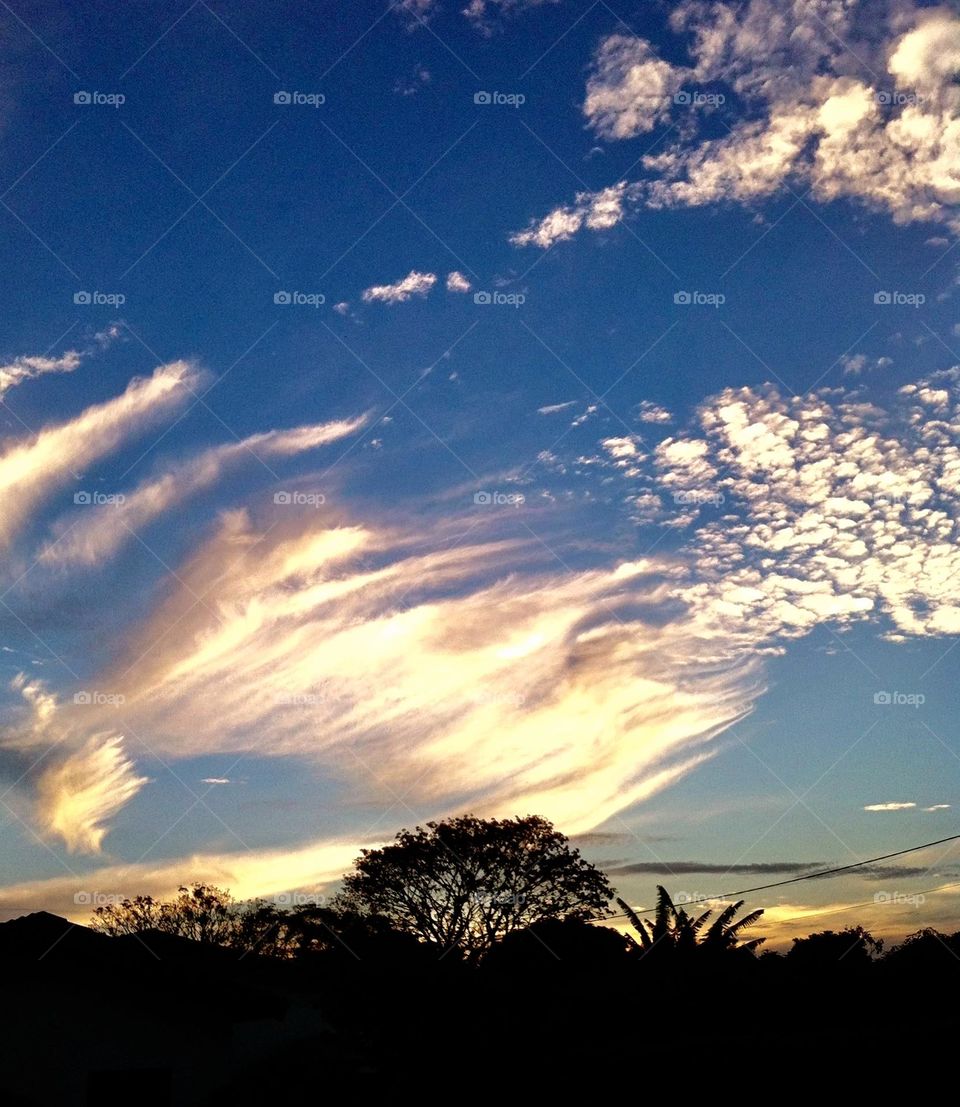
(806, 876)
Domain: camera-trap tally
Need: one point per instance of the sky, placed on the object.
(532, 407)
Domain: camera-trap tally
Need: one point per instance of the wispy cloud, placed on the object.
(413, 284)
(32, 468)
(100, 531)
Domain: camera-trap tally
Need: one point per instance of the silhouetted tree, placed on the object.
(851, 948)
(924, 950)
(201, 913)
(673, 929)
(465, 882)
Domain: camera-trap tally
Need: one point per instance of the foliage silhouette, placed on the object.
(673, 930)
(463, 883)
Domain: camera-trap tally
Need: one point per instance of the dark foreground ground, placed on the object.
(152, 1019)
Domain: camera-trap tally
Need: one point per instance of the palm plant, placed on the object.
(672, 928)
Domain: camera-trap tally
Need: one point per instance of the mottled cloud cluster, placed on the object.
(841, 99)
(803, 510)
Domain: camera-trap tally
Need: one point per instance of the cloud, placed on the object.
(413, 284)
(594, 210)
(680, 868)
(630, 89)
(342, 308)
(247, 874)
(411, 85)
(855, 364)
(763, 868)
(78, 795)
(829, 99)
(552, 409)
(441, 676)
(483, 14)
(649, 412)
(96, 533)
(889, 806)
(457, 282)
(26, 368)
(32, 468)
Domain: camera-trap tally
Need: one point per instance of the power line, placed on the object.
(806, 876)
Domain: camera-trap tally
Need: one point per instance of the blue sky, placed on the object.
(539, 407)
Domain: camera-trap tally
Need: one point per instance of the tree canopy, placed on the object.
(464, 883)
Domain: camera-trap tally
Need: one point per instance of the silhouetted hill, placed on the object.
(41, 935)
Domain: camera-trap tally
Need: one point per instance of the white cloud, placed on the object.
(552, 409)
(528, 692)
(78, 794)
(32, 468)
(457, 282)
(833, 99)
(889, 806)
(96, 533)
(855, 364)
(649, 412)
(413, 284)
(594, 210)
(25, 368)
(630, 89)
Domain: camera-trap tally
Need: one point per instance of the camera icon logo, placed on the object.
(882, 697)
(881, 298)
(82, 98)
(482, 298)
(681, 97)
(482, 98)
(482, 498)
(82, 298)
(282, 498)
(282, 298)
(82, 698)
(82, 498)
(681, 297)
(282, 98)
